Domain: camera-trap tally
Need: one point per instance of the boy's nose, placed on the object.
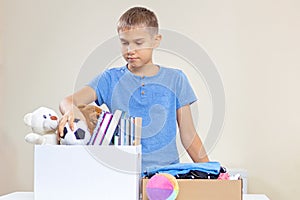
(130, 51)
(131, 48)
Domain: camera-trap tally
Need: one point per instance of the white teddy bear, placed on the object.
(44, 123)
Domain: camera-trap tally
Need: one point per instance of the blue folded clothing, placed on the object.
(183, 168)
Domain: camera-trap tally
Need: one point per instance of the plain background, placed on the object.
(254, 44)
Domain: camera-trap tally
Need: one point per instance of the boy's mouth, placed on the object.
(131, 58)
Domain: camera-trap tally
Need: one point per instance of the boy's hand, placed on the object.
(66, 118)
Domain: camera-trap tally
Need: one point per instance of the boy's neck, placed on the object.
(146, 70)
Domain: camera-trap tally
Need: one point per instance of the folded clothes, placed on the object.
(195, 174)
(210, 168)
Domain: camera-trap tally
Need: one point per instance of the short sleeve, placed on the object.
(184, 92)
(101, 85)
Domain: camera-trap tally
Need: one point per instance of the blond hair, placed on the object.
(138, 17)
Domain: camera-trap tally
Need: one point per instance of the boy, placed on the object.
(161, 96)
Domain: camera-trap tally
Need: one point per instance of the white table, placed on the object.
(255, 197)
(29, 196)
(18, 196)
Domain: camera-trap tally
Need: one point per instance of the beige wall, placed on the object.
(255, 45)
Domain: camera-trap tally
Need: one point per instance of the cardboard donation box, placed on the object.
(86, 172)
(206, 189)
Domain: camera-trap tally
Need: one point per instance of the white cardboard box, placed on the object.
(86, 172)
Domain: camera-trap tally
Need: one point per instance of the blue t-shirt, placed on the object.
(155, 99)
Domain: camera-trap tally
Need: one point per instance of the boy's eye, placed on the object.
(139, 43)
(124, 43)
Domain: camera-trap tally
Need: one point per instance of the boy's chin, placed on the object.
(133, 66)
(133, 63)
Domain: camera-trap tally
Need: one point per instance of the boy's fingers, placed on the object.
(68, 118)
(71, 122)
(61, 126)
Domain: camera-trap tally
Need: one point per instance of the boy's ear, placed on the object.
(157, 40)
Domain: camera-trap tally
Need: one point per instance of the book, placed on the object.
(112, 127)
(96, 130)
(122, 131)
(116, 140)
(127, 131)
(131, 131)
(103, 128)
(137, 130)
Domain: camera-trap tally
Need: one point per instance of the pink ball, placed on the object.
(162, 187)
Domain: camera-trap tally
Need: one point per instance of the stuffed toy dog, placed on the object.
(91, 114)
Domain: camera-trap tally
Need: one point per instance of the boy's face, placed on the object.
(137, 46)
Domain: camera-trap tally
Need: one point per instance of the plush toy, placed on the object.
(91, 114)
(83, 128)
(43, 122)
(162, 187)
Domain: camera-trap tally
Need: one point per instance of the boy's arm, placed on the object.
(68, 106)
(189, 137)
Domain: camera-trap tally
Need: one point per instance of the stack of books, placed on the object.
(117, 128)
